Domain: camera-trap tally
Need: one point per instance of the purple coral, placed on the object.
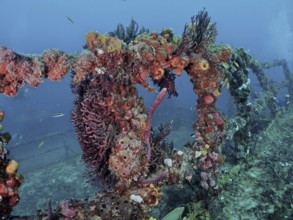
(93, 121)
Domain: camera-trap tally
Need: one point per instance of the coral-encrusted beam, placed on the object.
(17, 69)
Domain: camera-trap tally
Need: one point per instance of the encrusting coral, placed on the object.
(16, 69)
(11, 167)
(10, 180)
(112, 125)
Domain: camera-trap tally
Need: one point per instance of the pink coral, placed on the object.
(17, 69)
(56, 62)
(218, 119)
(209, 99)
(93, 119)
(66, 210)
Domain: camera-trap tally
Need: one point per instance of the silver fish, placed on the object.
(69, 19)
(41, 144)
(58, 115)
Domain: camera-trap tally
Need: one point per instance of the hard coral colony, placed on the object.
(112, 124)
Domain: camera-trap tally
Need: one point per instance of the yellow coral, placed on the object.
(152, 194)
(1, 115)
(216, 92)
(110, 44)
(158, 74)
(91, 39)
(202, 66)
(113, 44)
(12, 167)
(204, 152)
(179, 63)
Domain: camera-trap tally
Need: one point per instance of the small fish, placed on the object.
(58, 115)
(225, 65)
(282, 102)
(236, 64)
(17, 138)
(41, 144)
(223, 84)
(70, 20)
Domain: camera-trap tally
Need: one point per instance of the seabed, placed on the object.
(258, 186)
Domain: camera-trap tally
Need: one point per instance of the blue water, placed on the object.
(264, 28)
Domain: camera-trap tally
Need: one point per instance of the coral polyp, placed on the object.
(201, 66)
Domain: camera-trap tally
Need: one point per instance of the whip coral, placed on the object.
(128, 33)
(198, 34)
